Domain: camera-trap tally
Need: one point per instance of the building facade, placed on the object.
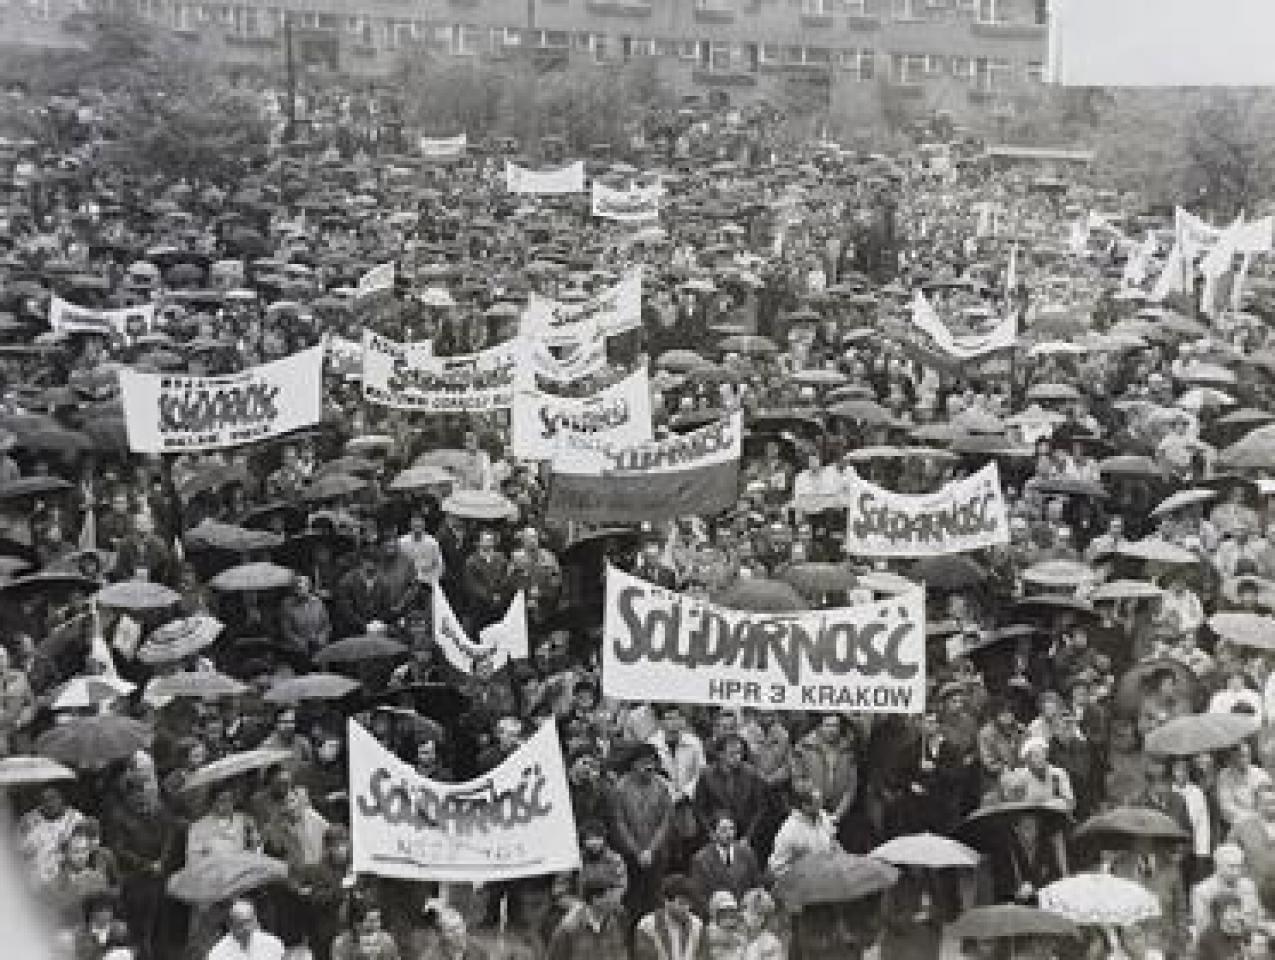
(974, 60)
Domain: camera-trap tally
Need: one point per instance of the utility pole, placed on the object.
(291, 68)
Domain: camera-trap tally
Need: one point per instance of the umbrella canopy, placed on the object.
(248, 577)
(926, 850)
(813, 579)
(215, 535)
(1246, 629)
(235, 765)
(1181, 500)
(1059, 573)
(1005, 921)
(761, 596)
(1130, 465)
(1099, 899)
(424, 478)
(480, 505)
(80, 693)
(748, 344)
(1127, 590)
(311, 686)
(1196, 733)
(834, 877)
(91, 743)
(1053, 391)
(195, 685)
(1071, 487)
(1155, 550)
(953, 572)
(1123, 824)
(31, 771)
(680, 361)
(865, 411)
(358, 649)
(223, 876)
(333, 485)
(1141, 677)
(179, 639)
(137, 595)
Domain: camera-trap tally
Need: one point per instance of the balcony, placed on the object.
(619, 8)
(723, 78)
(1007, 30)
(721, 14)
(863, 21)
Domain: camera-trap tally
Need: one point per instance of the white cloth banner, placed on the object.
(407, 376)
(965, 515)
(69, 318)
(174, 413)
(966, 347)
(612, 311)
(583, 359)
(633, 205)
(568, 179)
(499, 643)
(377, 279)
(547, 426)
(863, 659)
(513, 821)
(444, 148)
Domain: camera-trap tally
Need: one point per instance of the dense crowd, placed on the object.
(185, 635)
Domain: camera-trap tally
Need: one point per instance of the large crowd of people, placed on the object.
(185, 635)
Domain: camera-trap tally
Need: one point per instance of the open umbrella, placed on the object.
(235, 765)
(953, 572)
(1053, 391)
(424, 478)
(926, 850)
(223, 876)
(179, 639)
(1099, 899)
(680, 361)
(1130, 465)
(748, 344)
(248, 577)
(760, 595)
(1116, 828)
(813, 579)
(833, 877)
(333, 485)
(91, 743)
(36, 486)
(1196, 733)
(865, 411)
(1007, 921)
(32, 771)
(1064, 486)
(1246, 629)
(310, 686)
(1181, 500)
(1059, 573)
(215, 535)
(480, 505)
(1138, 679)
(372, 646)
(195, 685)
(81, 693)
(1156, 550)
(1127, 590)
(137, 595)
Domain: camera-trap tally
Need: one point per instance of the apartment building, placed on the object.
(975, 60)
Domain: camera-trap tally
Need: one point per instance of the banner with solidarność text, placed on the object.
(545, 426)
(407, 376)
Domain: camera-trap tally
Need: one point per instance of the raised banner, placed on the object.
(407, 376)
(444, 148)
(502, 641)
(634, 205)
(863, 659)
(693, 473)
(544, 183)
(377, 280)
(69, 318)
(612, 311)
(584, 359)
(172, 413)
(546, 426)
(965, 515)
(513, 821)
(1003, 336)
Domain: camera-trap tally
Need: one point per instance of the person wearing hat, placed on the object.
(642, 825)
(1036, 779)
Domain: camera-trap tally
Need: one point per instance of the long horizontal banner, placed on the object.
(605, 314)
(1002, 337)
(694, 473)
(544, 183)
(514, 821)
(546, 426)
(444, 148)
(69, 318)
(863, 659)
(965, 515)
(407, 376)
(167, 413)
(634, 205)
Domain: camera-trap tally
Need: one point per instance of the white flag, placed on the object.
(502, 641)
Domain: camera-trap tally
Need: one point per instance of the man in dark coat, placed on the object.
(731, 784)
(724, 863)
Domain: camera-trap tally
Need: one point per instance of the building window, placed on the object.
(934, 65)
(1035, 71)
(552, 39)
(715, 6)
(466, 39)
(988, 11)
(817, 8)
(962, 68)
(1042, 13)
(768, 53)
(909, 67)
(859, 64)
(642, 47)
(598, 47)
(688, 49)
(991, 74)
(906, 10)
(856, 8)
(719, 56)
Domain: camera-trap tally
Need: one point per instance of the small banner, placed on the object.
(514, 821)
(693, 473)
(965, 515)
(613, 311)
(545, 426)
(444, 148)
(172, 413)
(634, 205)
(68, 318)
(863, 659)
(377, 280)
(545, 183)
(407, 376)
(502, 641)
(1002, 337)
